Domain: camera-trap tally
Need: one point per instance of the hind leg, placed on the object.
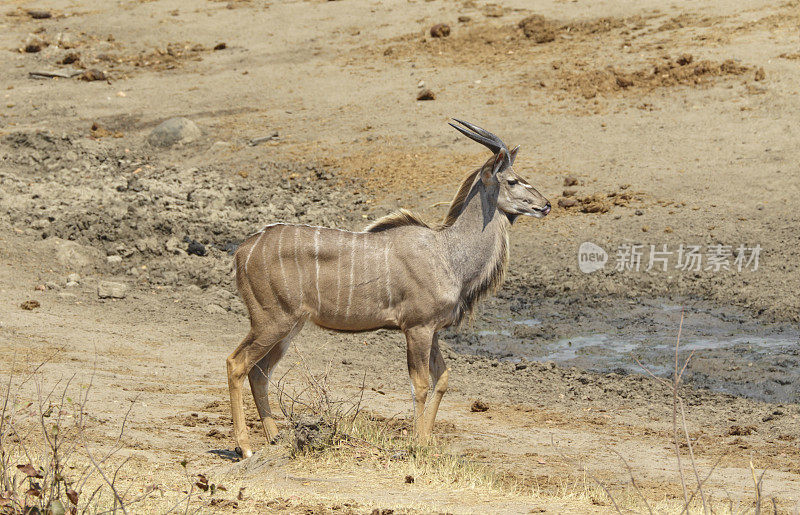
(259, 377)
(253, 349)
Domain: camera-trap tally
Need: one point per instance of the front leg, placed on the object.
(418, 351)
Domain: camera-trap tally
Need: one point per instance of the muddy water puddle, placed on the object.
(732, 352)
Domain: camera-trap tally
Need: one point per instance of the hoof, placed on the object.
(244, 454)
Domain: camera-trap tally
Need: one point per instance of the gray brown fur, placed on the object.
(399, 273)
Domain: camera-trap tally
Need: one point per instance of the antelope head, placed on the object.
(515, 196)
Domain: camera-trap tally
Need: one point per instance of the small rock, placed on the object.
(569, 193)
(71, 284)
(760, 74)
(426, 94)
(174, 131)
(71, 57)
(214, 309)
(38, 14)
(570, 181)
(67, 296)
(409, 479)
(538, 28)
(567, 202)
(42, 223)
(196, 248)
(93, 75)
(520, 366)
(440, 30)
(51, 285)
(741, 430)
(73, 278)
(111, 290)
(464, 19)
(173, 246)
(114, 260)
(221, 46)
(30, 305)
(479, 406)
(685, 59)
(493, 11)
(638, 212)
(34, 44)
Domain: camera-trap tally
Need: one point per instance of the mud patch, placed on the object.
(146, 215)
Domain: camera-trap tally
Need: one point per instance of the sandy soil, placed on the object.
(678, 124)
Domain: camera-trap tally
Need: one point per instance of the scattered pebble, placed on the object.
(114, 260)
(464, 19)
(567, 202)
(760, 74)
(221, 46)
(214, 309)
(638, 212)
(440, 30)
(426, 94)
(174, 131)
(93, 75)
(569, 193)
(409, 479)
(73, 278)
(196, 248)
(71, 57)
(479, 406)
(29, 305)
(111, 290)
(38, 14)
(570, 181)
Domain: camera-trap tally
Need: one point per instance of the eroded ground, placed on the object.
(677, 124)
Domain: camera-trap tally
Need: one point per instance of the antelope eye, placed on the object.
(512, 182)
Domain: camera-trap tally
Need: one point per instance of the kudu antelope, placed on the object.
(398, 273)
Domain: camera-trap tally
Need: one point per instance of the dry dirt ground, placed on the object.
(677, 121)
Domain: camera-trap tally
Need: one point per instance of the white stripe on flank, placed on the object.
(387, 276)
(280, 260)
(338, 274)
(316, 264)
(297, 264)
(352, 269)
(249, 254)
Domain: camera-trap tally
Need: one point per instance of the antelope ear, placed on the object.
(513, 154)
(492, 166)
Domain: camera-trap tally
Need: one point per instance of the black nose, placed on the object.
(546, 208)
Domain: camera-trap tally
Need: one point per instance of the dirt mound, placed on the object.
(492, 43)
(669, 72)
(147, 214)
(543, 30)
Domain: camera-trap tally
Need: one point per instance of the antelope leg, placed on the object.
(253, 348)
(259, 382)
(418, 352)
(440, 375)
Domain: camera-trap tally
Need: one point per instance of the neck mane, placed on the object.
(478, 241)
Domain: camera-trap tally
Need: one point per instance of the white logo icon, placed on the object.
(591, 257)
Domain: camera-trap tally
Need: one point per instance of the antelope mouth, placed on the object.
(540, 212)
